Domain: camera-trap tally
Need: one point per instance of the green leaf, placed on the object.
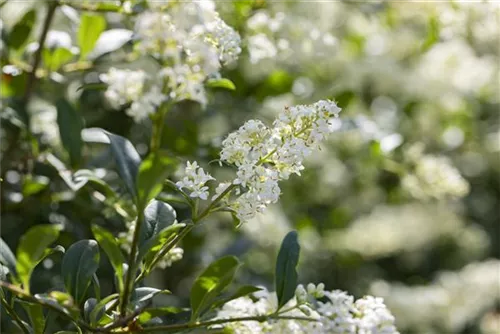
(91, 27)
(127, 160)
(109, 41)
(21, 31)
(7, 258)
(34, 184)
(4, 271)
(70, 125)
(144, 295)
(32, 249)
(35, 313)
(78, 265)
(153, 246)
(88, 307)
(242, 291)
(221, 83)
(101, 308)
(213, 281)
(108, 243)
(54, 59)
(157, 217)
(286, 273)
(152, 171)
(179, 314)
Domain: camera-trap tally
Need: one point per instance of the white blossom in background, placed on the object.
(448, 303)
(435, 177)
(389, 230)
(340, 313)
(191, 41)
(124, 86)
(134, 88)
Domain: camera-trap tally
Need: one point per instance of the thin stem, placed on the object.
(28, 297)
(158, 122)
(10, 311)
(52, 6)
(129, 281)
(176, 327)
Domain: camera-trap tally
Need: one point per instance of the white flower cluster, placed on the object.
(265, 156)
(435, 177)
(135, 88)
(340, 313)
(191, 40)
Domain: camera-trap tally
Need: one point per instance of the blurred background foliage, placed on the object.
(402, 202)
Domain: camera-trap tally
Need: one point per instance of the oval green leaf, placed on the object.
(70, 125)
(7, 258)
(91, 27)
(221, 83)
(78, 265)
(33, 248)
(108, 243)
(152, 171)
(212, 282)
(286, 272)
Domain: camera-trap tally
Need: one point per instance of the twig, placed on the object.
(10, 311)
(52, 6)
(176, 327)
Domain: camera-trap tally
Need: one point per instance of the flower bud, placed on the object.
(301, 294)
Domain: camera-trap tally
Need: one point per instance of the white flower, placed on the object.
(265, 156)
(194, 180)
(191, 41)
(124, 86)
(373, 316)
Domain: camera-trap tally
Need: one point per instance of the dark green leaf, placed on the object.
(101, 308)
(286, 273)
(78, 265)
(164, 312)
(109, 41)
(91, 27)
(7, 258)
(152, 171)
(4, 271)
(221, 83)
(157, 217)
(242, 291)
(70, 125)
(21, 31)
(127, 160)
(144, 295)
(33, 248)
(212, 282)
(35, 313)
(153, 246)
(88, 306)
(112, 250)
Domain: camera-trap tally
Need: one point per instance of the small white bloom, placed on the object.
(194, 180)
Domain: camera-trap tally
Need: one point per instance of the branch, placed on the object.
(52, 6)
(176, 327)
(10, 311)
(20, 293)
